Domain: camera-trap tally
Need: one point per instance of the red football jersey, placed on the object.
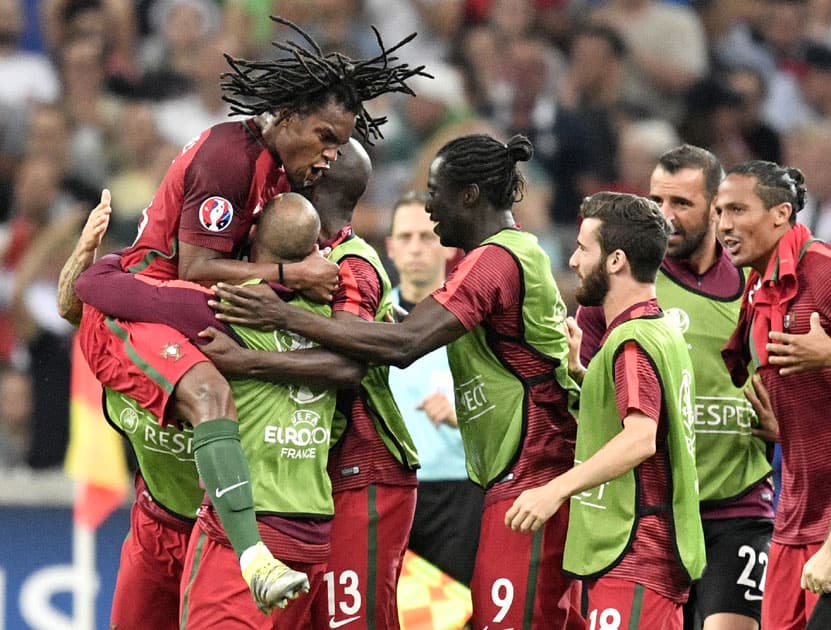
(209, 198)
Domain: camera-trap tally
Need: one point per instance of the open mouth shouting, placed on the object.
(315, 173)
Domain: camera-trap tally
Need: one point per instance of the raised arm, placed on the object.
(69, 305)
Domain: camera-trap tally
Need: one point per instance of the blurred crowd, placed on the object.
(103, 93)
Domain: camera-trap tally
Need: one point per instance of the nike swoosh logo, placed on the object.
(219, 492)
(342, 622)
(751, 597)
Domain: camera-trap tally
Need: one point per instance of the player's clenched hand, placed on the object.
(533, 508)
(225, 353)
(253, 305)
(801, 353)
(816, 574)
(317, 277)
(575, 338)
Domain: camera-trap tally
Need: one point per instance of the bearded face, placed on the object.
(593, 286)
(686, 240)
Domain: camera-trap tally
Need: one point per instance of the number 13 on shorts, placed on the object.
(343, 594)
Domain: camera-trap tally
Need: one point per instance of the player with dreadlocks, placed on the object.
(304, 78)
(303, 107)
(502, 318)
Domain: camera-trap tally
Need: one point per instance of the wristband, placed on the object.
(280, 278)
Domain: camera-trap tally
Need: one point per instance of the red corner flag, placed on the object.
(95, 456)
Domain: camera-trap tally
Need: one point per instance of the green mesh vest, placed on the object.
(729, 459)
(381, 405)
(490, 398)
(164, 454)
(602, 520)
(285, 430)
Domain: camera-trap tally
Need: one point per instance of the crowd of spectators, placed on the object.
(103, 93)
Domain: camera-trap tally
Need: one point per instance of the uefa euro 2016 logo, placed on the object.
(215, 214)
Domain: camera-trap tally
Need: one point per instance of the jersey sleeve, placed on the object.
(216, 189)
(820, 269)
(179, 304)
(359, 291)
(637, 387)
(485, 282)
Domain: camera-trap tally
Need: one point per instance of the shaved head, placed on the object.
(287, 230)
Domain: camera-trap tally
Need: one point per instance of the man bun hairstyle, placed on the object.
(305, 79)
(798, 183)
(490, 164)
(520, 148)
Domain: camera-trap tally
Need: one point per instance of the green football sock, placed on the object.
(224, 471)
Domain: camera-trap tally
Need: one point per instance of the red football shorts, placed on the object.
(143, 361)
(785, 604)
(518, 578)
(370, 532)
(615, 603)
(147, 588)
(215, 595)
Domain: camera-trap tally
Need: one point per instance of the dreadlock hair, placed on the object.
(306, 79)
(775, 184)
(632, 224)
(491, 165)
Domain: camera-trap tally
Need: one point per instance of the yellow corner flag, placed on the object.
(95, 455)
(429, 599)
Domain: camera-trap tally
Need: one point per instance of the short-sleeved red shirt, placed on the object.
(485, 289)
(800, 403)
(209, 198)
(651, 560)
(360, 448)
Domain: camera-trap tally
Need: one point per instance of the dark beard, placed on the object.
(594, 287)
(690, 243)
